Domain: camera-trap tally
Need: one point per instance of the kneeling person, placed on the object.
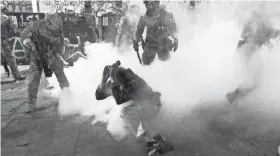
(142, 103)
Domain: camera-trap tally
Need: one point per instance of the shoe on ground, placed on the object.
(152, 148)
(231, 96)
(31, 109)
(159, 145)
(50, 87)
(19, 78)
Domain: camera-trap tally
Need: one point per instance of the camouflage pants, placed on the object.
(36, 72)
(150, 51)
(7, 52)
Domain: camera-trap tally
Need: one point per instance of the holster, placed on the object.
(168, 43)
(48, 71)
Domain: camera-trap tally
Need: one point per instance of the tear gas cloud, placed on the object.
(194, 81)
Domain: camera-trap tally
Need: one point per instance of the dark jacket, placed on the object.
(134, 89)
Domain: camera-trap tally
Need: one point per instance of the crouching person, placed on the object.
(142, 104)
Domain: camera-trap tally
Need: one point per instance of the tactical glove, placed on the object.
(30, 45)
(135, 46)
(175, 44)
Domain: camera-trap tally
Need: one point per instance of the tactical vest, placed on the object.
(158, 28)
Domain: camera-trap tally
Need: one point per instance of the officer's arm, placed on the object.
(245, 31)
(27, 33)
(140, 29)
(273, 33)
(61, 46)
(103, 91)
(172, 26)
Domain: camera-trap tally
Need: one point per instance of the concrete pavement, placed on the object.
(46, 133)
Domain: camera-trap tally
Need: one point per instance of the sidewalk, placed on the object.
(5, 79)
(46, 133)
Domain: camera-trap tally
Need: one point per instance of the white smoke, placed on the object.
(196, 78)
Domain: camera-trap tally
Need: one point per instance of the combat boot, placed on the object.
(159, 145)
(31, 106)
(20, 77)
(231, 97)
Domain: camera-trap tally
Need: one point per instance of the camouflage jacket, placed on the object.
(158, 27)
(53, 42)
(259, 32)
(136, 89)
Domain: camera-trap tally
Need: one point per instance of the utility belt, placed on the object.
(245, 41)
(164, 43)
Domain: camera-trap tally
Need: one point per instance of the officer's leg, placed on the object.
(148, 55)
(7, 51)
(246, 50)
(6, 68)
(34, 81)
(163, 54)
(5, 63)
(58, 69)
(241, 43)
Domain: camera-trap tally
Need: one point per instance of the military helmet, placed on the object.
(53, 22)
(153, 1)
(4, 18)
(3, 8)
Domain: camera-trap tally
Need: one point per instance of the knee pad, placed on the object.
(147, 61)
(164, 58)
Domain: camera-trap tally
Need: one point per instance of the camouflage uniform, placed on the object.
(6, 27)
(53, 47)
(256, 33)
(159, 28)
